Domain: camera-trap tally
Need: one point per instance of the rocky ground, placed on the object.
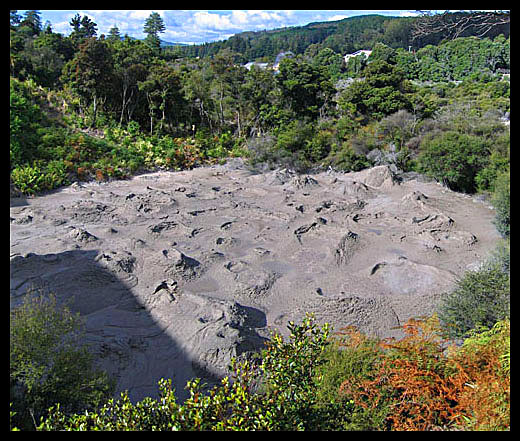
(176, 272)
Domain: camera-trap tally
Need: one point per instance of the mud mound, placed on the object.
(177, 272)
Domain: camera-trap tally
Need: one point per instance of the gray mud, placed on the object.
(177, 272)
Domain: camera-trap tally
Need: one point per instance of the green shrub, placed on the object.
(287, 401)
(345, 158)
(481, 298)
(28, 179)
(453, 158)
(351, 358)
(47, 363)
(24, 118)
(501, 202)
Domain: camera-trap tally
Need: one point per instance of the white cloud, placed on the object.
(408, 14)
(205, 19)
(241, 17)
(143, 15)
(337, 17)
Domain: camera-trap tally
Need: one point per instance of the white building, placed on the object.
(364, 52)
(254, 63)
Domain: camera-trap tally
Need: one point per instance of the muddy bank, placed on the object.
(176, 272)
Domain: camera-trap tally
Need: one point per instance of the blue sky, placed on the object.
(199, 26)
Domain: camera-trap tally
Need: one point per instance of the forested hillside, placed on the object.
(342, 36)
(101, 107)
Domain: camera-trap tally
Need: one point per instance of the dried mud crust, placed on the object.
(177, 272)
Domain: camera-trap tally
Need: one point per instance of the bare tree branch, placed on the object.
(454, 24)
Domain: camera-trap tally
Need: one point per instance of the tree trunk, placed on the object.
(95, 112)
(123, 106)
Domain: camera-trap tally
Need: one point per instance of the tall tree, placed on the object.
(32, 20)
(153, 26)
(131, 58)
(82, 28)
(306, 88)
(162, 88)
(90, 73)
(114, 34)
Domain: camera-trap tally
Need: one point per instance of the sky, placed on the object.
(199, 26)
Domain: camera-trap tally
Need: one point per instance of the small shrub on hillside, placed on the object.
(481, 298)
(345, 158)
(501, 202)
(453, 158)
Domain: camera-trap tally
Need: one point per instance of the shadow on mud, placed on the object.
(122, 332)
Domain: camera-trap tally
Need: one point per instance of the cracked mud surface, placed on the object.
(176, 272)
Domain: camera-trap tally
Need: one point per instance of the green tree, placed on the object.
(501, 202)
(33, 21)
(331, 60)
(153, 26)
(382, 92)
(305, 88)
(162, 88)
(114, 34)
(258, 91)
(90, 73)
(131, 60)
(82, 28)
(480, 298)
(24, 120)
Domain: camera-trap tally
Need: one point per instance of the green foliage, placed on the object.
(383, 91)
(205, 110)
(457, 59)
(350, 358)
(344, 157)
(287, 373)
(501, 202)
(304, 87)
(355, 383)
(481, 298)
(24, 120)
(453, 159)
(47, 363)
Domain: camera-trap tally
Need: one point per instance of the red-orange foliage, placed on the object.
(429, 385)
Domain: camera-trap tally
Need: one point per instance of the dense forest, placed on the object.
(104, 107)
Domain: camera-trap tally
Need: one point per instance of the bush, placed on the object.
(345, 158)
(501, 202)
(47, 363)
(481, 298)
(288, 375)
(423, 385)
(24, 118)
(351, 358)
(358, 383)
(485, 361)
(453, 158)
